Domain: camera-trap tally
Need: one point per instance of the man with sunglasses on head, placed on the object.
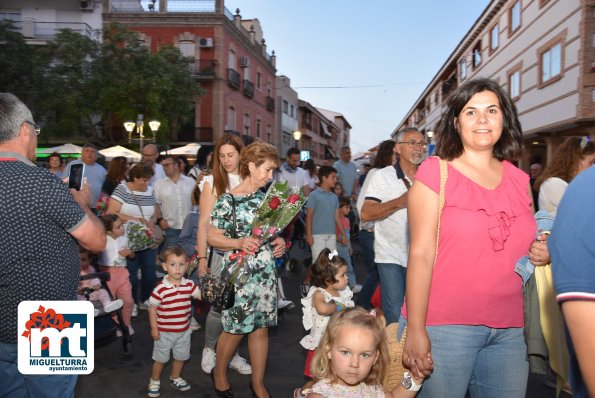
(386, 204)
(174, 196)
(39, 217)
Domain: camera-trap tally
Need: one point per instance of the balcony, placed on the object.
(233, 78)
(198, 134)
(204, 69)
(36, 30)
(248, 89)
(270, 103)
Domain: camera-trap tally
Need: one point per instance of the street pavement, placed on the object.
(117, 376)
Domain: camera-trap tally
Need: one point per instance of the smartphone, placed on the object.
(75, 176)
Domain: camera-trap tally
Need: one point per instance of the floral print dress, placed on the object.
(256, 300)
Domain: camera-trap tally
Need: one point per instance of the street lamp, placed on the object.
(140, 126)
(296, 137)
(154, 125)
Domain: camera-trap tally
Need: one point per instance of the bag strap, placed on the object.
(443, 178)
(138, 204)
(233, 212)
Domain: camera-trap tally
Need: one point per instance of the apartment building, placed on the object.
(39, 22)
(287, 114)
(543, 53)
(231, 63)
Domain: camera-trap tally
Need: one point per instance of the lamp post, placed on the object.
(140, 126)
(296, 137)
(430, 135)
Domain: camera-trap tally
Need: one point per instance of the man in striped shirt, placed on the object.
(169, 316)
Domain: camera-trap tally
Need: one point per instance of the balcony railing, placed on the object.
(198, 134)
(32, 29)
(204, 69)
(185, 6)
(248, 89)
(270, 104)
(233, 78)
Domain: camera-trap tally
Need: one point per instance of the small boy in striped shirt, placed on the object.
(169, 316)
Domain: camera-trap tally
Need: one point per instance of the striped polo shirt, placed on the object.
(173, 304)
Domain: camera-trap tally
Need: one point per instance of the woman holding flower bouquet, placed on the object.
(255, 307)
(134, 202)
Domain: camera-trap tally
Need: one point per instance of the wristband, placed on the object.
(409, 384)
(201, 257)
(339, 306)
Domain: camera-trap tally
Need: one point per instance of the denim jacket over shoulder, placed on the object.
(545, 222)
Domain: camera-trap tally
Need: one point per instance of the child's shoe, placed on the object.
(153, 390)
(114, 305)
(180, 384)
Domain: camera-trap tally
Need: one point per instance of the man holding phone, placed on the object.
(94, 172)
(39, 216)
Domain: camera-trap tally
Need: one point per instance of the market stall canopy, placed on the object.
(63, 149)
(119, 150)
(188, 150)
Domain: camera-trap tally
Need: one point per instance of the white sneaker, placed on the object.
(119, 331)
(194, 325)
(114, 305)
(134, 310)
(207, 362)
(356, 289)
(240, 365)
(144, 305)
(283, 303)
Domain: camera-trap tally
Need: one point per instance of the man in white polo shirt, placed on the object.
(292, 173)
(386, 204)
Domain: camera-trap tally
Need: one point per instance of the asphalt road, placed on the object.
(117, 376)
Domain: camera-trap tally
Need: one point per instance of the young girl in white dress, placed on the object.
(353, 358)
(329, 293)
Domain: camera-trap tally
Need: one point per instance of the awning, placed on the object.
(329, 153)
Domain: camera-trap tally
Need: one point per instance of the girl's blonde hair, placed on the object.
(374, 321)
(324, 270)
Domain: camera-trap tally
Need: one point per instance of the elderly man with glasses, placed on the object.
(149, 156)
(94, 172)
(386, 204)
(39, 217)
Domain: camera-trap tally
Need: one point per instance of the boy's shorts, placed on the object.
(178, 343)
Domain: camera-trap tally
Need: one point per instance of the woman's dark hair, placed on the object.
(385, 154)
(108, 221)
(140, 170)
(324, 271)
(183, 163)
(220, 178)
(116, 169)
(202, 154)
(448, 141)
(311, 167)
(566, 160)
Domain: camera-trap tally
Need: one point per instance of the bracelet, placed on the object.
(201, 257)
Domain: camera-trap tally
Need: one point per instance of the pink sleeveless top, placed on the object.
(483, 233)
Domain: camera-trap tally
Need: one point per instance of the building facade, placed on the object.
(230, 62)
(287, 115)
(543, 53)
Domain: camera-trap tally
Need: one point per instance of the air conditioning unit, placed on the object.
(205, 42)
(244, 62)
(87, 5)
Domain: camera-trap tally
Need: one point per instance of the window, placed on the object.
(257, 128)
(477, 55)
(258, 80)
(231, 118)
(551, 62)
(286, 138)
(463, 69)
(514, 84)
(231, 60)
(494, 37)
(187, 48)
(285, 106)
(269, 130)
(246, 124)
(514, 17)
(247, 73)
(292, 111)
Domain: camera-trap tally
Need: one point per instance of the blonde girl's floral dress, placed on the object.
(362, 390)
(256, 300)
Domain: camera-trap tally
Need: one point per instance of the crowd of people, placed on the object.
(442, 240)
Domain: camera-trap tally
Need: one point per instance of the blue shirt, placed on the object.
(325, 205)
(346, 173)
(95, 174)
(573, 255)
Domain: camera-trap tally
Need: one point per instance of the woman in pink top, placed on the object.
(467, 310)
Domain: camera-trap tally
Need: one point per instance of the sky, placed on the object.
(382, 53)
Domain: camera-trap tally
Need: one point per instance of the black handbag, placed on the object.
(219, 292)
